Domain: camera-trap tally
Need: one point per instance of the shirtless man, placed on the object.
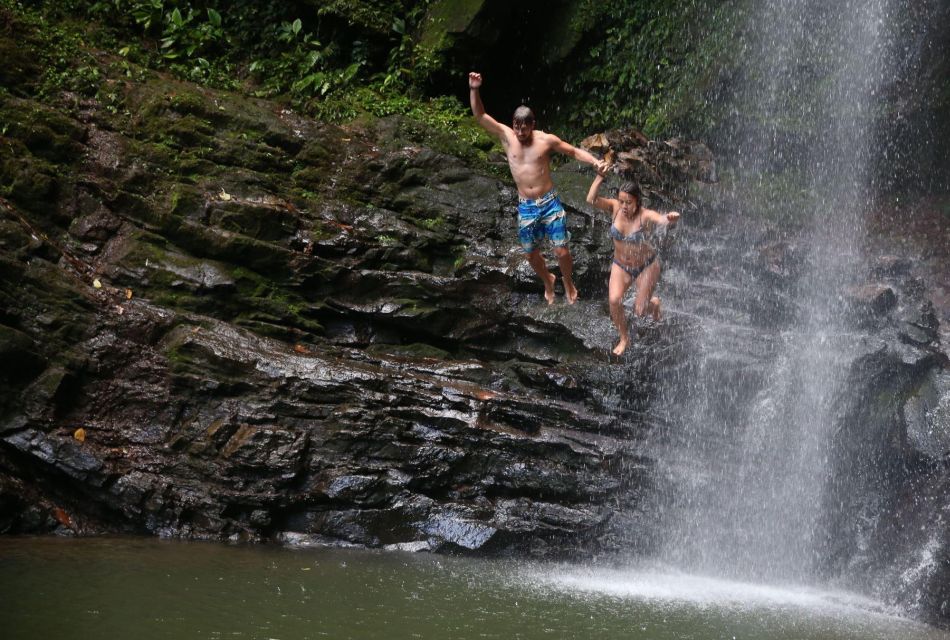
(540, 213)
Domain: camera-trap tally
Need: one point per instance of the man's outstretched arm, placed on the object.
(578, 154)
(488, 123)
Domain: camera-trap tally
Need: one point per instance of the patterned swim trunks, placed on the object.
(539, 219)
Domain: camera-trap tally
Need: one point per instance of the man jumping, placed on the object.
(540, 213)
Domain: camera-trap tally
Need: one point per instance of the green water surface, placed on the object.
(106, 589)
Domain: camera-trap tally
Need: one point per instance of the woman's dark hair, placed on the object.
(632, 188)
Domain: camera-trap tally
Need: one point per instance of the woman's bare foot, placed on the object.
(570, 292)
(655, 303)
(621, 346)
(549, 288)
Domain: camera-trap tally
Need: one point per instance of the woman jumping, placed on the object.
(634, 259)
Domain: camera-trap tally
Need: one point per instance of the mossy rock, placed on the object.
(256, 221)
(44, 132)
(30, 182)
(150, 214)
(315, 153)
(193, 168)
(250, 155)
(192, 103)
(48, 307)
(20, 70)
(235, 248)
(446, 19)
(190, 131)
(289, 143)
(186, 201)
(310, 178)
(186, 357)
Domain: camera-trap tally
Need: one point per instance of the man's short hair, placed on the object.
(523, 114)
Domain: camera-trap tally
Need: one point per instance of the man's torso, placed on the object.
(530, 164)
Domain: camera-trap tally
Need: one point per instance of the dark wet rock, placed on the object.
(891, 266)
(459, 529)
(655, 165)
(888, 458)
(927, 413)
(871, 299)
(782, 260)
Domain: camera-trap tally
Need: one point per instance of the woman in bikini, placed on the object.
(635, 261)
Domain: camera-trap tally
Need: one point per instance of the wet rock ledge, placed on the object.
(223, 321)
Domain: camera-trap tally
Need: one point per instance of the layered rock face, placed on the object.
(224, 321)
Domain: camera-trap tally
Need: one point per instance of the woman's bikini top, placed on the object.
(636, 237)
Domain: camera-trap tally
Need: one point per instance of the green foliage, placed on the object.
(443, 113)
(191, 41)
(650, 63)
(372, 15)
(301, 66)
(410, 62)
(59, 50)
(185, 36)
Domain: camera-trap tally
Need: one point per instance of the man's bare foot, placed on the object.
(621, 347)
(570, 292)
(549, 288)
(655, 303)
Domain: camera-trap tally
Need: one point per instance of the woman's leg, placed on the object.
(645, 302)
(620, 281)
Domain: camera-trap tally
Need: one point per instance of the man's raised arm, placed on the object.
(488, 123)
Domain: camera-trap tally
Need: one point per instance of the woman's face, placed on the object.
(628, 203)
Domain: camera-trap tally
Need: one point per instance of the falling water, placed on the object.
(745, 459)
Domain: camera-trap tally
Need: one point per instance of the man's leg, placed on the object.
(536, 260)
(566, 263)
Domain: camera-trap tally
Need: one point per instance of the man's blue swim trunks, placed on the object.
(541, 218)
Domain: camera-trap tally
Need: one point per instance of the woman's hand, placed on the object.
(672, 217)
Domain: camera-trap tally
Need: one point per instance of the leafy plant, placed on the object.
(184, 35)
(302, 65)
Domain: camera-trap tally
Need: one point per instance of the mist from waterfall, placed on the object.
(744, 460)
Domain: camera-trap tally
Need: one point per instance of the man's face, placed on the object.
(523, 131)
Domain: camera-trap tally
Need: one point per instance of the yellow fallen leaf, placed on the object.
(128, 294)
(97, 284)
(224, 195)
(80, 434)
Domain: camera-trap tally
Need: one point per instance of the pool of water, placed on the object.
(101, 589)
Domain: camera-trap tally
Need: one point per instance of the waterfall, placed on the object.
(744, 459)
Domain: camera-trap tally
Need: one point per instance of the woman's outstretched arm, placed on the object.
(659, 218)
